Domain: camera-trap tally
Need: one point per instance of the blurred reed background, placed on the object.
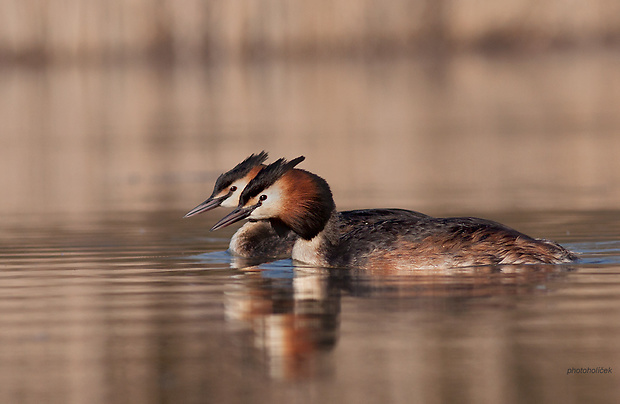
(93, 30)
(447, 106)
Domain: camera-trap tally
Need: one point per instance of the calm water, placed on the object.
(108, 296)
(142, 308)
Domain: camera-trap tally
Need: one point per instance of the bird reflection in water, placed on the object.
(291, 315)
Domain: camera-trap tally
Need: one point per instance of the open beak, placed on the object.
(238, 214)
(209, 204)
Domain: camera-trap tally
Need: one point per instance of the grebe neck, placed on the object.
(314, 251)
(308, 205)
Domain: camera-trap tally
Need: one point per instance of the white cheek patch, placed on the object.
(233, 200)
(270, 207)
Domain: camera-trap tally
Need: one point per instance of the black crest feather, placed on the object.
(239, 171)
(267, 177)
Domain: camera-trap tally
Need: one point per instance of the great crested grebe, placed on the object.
(256, 238)
(380, 238)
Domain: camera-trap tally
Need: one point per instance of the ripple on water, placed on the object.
(162, 313)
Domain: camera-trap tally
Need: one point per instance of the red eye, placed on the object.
(262, 197)
(233, 188)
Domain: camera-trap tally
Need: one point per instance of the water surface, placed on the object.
(148, 307)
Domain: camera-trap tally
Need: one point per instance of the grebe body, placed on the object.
(256, 238)
(262, 239)
(419, 242)
(379, 238)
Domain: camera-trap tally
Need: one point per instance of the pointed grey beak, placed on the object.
(209, 204)
(238, 214)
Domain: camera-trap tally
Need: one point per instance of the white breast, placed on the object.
(236, 241)
(307, 251)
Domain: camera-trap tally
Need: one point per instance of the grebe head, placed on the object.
(229, 185)
(299, 199)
